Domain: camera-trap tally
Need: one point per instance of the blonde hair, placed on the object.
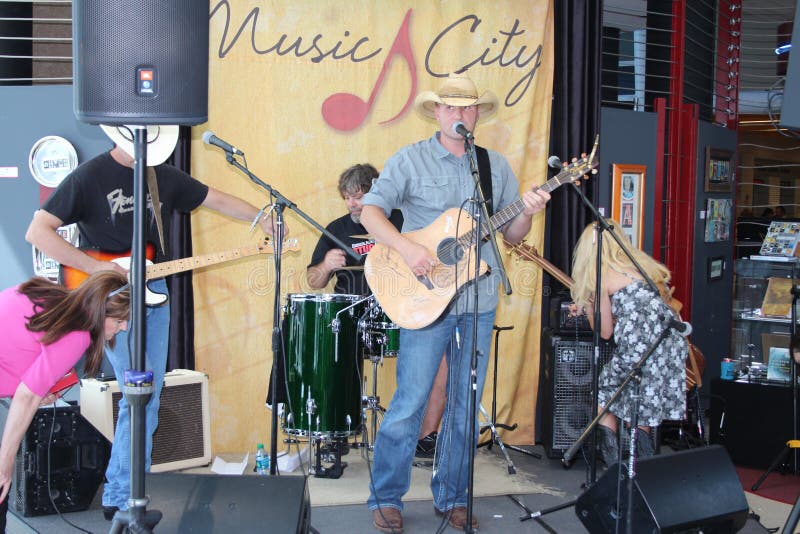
(613, 257)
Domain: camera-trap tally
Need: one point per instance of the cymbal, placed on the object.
(351, 268)
(361, 236)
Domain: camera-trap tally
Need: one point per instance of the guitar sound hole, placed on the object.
(449, 251)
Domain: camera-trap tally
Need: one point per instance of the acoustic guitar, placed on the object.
(71, 277)
(695, 361)
(413, 301)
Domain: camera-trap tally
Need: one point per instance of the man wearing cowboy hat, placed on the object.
(423, 180)
(98, 196)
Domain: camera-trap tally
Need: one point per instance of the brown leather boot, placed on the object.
(457, 517)
(388, 520)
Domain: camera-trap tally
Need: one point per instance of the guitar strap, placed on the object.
(485, 173)
(152, 187)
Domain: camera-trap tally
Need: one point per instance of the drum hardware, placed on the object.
(371, 403)
(330, 451)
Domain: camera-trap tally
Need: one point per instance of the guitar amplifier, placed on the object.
(563, 322)
(183, 436)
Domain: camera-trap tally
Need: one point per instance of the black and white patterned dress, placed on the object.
(639, 320)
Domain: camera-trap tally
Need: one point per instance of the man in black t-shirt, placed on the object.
(98, 196)
(328, 259)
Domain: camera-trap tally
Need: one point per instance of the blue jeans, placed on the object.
(118, 474)
(420, 354)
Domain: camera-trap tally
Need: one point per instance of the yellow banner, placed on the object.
(308, 88)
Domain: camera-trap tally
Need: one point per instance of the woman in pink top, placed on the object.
(46, 330)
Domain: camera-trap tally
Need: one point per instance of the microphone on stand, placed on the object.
(461, 130)
(210, 139)
(554, 162)
(684, 329)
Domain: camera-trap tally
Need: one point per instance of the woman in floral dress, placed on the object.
(636, 316)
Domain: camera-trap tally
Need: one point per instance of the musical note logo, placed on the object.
(346, 111)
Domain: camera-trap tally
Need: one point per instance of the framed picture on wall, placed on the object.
(718, 220)
(627, 200)
(719, 170)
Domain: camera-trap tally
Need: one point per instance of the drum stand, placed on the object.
(371, 403)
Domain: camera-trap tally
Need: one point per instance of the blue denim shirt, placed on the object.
(423, 180)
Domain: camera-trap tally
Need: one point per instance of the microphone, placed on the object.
(555, 163)
(684, 329)
(210, 139)
(461, 130)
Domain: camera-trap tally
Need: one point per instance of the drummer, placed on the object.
(328, 259)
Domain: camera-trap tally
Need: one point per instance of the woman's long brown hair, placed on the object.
(60, 311)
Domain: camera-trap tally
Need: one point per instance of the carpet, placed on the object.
(777, 486)
(491, 478)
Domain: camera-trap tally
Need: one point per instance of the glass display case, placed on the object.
(762, 307)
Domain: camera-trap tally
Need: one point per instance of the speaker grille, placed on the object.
(180, 423)
(566, 381)
(112, 38)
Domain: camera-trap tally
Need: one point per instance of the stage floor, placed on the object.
(496, 513)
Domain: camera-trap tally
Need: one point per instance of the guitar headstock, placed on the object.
(291, 244)
(579, 168)
(523, 250)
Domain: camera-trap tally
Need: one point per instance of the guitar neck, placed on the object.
(505, 215)
(530, 254)
(160, 270)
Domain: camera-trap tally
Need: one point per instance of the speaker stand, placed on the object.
(138, 383)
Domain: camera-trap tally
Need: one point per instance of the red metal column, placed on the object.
(680, 177)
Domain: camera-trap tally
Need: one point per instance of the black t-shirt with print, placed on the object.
(98, 196)
(350, 282)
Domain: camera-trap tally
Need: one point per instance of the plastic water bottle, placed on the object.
(262, 460)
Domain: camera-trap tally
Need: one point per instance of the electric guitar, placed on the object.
(695, 361)
(415, 302)
(72, 278)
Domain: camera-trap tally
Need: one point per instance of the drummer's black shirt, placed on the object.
(350, 282)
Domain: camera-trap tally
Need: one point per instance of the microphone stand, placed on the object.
(481, 214)
(137, 383)
(602, 226)
(281, 202)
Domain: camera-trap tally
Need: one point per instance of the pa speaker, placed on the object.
(143, 62)
(183, 436)
(61, 456)
(566, 385)
(222, 503)
(692, 489)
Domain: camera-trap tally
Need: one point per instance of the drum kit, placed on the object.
(328, 337)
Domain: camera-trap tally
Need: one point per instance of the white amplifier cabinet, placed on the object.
(183, 436)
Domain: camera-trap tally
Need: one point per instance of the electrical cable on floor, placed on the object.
(49, 480)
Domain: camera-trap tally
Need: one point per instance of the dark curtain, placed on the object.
(181, 297)
(575, 118)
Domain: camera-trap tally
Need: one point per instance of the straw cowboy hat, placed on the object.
(161, 141)
(456, 90)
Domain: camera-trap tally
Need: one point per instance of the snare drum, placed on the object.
(322, 367)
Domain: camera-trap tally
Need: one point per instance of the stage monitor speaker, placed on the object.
(76, 455)
(143, 62)
(224, 503)
(566, 384)
(183, 436)
(691, 489)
